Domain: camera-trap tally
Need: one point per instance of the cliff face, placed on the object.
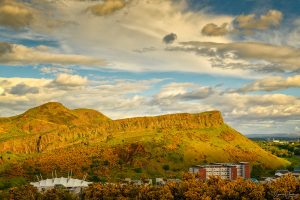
(52, 135)
(53, 126)
(172, 121)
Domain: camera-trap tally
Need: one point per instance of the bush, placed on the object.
(166, 167)
(14, 182)
(138, 170)
(189, 188)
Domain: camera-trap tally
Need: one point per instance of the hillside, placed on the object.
(52, 137)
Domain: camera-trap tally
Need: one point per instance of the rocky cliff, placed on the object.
(52, 135)
(52, 125)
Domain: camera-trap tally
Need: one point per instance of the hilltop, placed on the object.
(52, 136)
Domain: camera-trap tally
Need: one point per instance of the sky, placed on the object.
(128, 58)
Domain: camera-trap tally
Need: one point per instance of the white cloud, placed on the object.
(1, 91)
(272, 84)
(265, 106)
(55, 70)
(69, 80)
(118, 37)
(128, 98)
(116, 98)
(183, 91)
(14, 54)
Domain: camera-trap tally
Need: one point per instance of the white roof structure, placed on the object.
(66, 182)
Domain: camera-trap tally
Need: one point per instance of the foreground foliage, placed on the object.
(287, 187)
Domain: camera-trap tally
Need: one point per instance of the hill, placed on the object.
(53, 137)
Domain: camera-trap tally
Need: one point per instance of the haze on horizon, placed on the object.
(129, 58)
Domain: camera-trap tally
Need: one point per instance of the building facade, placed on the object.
(224, 170)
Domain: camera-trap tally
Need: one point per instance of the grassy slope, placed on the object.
(88, 142)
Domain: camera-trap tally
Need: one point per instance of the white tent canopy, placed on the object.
(66, 182)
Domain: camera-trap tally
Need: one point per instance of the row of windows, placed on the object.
(217, 173)
(217, 169)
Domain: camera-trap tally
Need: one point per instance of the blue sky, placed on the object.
(129, 58)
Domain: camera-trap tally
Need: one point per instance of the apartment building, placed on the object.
(224, 170)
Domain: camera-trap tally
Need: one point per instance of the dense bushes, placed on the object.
(189, 189)
(29, 192)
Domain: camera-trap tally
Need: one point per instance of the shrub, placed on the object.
(166, 167)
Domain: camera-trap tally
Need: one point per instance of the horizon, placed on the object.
(131, 58)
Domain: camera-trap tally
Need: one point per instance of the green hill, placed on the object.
(52, 137)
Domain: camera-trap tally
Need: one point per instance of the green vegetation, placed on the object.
(12, 182)
(290, 150)
(287, 187)
(52, 137)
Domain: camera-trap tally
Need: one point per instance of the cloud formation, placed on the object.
(107, 7)
(56, 70)
(184, 92)
(23, 89)
(115, 97)
(15, 54)
(69, 80)
(265, 106)
(272, 84)
(245, 24)
(270, 57)
(15, 15)
(212, 29)
(101, 35)
(170, 38)
(252, 22)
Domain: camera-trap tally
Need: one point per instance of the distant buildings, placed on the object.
(224, 170)
(280, 141)
(281, 172)
(156, 181)
(71, 184)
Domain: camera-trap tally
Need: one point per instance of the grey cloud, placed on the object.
(23, 89)
(256, 67)
(173, 94)
(268, 57)
(170, 38)
(145, 49)
(5, 48)
(15, 15)
(197, 94)
(215, 30)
